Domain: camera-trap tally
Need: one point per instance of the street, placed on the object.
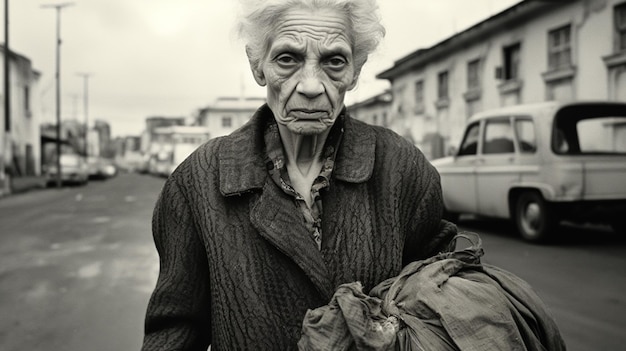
(580, 277)
(77, 266)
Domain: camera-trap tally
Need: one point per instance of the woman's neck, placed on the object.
(302, 151)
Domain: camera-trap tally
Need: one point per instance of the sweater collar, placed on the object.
(242, 155)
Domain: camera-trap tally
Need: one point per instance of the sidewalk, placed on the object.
(22, 184)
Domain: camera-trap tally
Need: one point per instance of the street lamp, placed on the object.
(85, 109)
(58, 7)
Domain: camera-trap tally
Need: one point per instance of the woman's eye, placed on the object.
(336, 62)
(286, 60)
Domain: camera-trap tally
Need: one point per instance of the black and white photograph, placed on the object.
(313, 175)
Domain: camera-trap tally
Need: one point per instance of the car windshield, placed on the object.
(590, 129)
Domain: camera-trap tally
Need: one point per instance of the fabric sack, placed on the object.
(447, 302)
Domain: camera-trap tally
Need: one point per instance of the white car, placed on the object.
(538, 164)
(100, 168)
(74, 170)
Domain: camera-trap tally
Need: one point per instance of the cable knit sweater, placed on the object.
(238, 268)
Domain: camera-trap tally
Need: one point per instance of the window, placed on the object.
(559, 48)
(227, 122)
(525, 131)
(442, 91)
(602, 135)
(511, 55)
(469, 145)
(498, 137)
(473, 77)
(620, 27)
(419, 96)
(27, 99)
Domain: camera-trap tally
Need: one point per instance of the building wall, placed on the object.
(214, 120)
(227, 114)
(592, 31)
(103, 147)
(20, 149)
(374, 111)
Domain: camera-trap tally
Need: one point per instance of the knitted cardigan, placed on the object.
(239, 270)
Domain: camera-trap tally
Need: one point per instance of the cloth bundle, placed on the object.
(447, 302)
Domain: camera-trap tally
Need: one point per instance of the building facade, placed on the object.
(101, 144)
(533, 51)
(128, 154)
(374, 110)
(148, 148)
(20, 144)
(227, 114)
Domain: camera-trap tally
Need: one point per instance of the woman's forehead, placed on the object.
(296, 27)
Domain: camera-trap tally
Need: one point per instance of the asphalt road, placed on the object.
(581, 277)
(77, 266)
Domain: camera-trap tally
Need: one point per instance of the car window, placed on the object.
(602, 135)
(590, 129)
(525, 131)
(498, 137)
(469, 146)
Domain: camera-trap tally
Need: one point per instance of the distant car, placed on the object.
(539, 164)
(101, 168)
(74, 170)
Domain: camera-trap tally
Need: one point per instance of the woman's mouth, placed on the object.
(307, 114)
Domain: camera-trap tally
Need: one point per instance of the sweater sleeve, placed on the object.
(427, 234)
(178, 313)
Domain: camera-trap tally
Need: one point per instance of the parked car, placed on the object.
(74, 170)
(101, 168)
(540, 164)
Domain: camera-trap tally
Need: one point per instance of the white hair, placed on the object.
(259, 17)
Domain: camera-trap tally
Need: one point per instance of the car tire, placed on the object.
(534, 218)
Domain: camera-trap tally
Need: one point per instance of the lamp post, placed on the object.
(86, 110)
(58, 8)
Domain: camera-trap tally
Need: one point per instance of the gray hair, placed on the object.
(259, 18)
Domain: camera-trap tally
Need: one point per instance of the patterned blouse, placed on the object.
(277, 168)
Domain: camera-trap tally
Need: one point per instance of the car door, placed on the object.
(496, 167)
(459, 180)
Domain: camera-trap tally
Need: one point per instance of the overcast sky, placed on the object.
(171, 57)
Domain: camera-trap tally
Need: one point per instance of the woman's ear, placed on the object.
(357, 73)
(355, 80)
(257, 72)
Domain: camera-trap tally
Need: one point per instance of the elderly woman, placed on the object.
(257, 227)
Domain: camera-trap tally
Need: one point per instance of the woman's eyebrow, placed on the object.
(286, 45)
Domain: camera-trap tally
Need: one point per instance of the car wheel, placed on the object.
(533, 217)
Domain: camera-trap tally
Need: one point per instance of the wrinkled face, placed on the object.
(307, 69)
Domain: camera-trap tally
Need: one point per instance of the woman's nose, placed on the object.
(310, 84)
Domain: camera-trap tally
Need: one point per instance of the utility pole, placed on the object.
(7, 71)
(85, 110)
(58, 8)
(7, 95)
